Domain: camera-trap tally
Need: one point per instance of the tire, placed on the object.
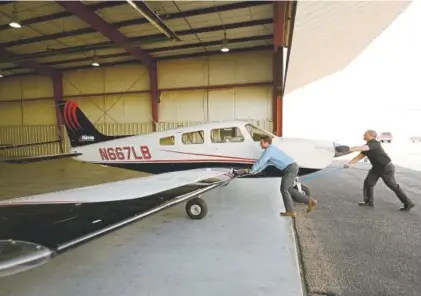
(305, 189)
(196, 208)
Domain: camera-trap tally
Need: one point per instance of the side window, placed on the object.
(168, 141)
(226, 135)
(257, 133)
(196, 137)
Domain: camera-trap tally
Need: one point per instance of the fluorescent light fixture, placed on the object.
(95, 62)
(15, 25)
(14, 21)
(224, 47)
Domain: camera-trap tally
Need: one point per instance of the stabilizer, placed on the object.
(79, 128)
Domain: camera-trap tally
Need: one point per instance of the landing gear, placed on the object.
(196, 208)
(303, 189)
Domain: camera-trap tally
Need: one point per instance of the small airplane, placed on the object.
(185, 163)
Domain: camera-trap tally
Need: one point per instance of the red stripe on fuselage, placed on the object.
(185, 161)
(211, 155)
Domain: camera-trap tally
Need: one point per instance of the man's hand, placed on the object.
(347, 165)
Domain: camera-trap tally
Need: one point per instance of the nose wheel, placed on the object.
(196, 208)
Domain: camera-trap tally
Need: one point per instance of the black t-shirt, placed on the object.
(377, 156)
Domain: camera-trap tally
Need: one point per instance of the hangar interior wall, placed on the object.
(117, 99)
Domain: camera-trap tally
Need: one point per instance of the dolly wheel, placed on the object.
(196, 208)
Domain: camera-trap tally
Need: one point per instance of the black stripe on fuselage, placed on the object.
(160, 168)
(53, 224)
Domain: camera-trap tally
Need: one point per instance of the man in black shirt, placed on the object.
(382, 167)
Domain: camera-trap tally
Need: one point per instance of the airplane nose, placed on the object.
(340, 150)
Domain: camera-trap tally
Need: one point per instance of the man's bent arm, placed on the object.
(262, 162)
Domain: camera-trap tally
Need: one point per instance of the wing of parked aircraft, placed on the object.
(11, 146)
(35, 228)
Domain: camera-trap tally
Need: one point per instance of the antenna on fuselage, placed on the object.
(157, 125)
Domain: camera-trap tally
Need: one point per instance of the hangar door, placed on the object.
(240, 103)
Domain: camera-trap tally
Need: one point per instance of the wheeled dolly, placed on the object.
(196, 208)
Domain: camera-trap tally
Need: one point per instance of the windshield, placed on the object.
(257, 133)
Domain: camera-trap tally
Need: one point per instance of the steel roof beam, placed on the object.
(173, 57)
(137, 21)
(90, 17)
(58, 15)
(28, 64)
(136, 41)
(159, 49)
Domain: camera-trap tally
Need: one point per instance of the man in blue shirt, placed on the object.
(274, 156)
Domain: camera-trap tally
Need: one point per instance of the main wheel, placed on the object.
(196, 208)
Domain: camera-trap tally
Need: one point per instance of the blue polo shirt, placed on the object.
(272, 156)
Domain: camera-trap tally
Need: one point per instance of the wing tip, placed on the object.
(19, 256)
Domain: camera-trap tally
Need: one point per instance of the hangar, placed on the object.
(140, 66)
(160, 64)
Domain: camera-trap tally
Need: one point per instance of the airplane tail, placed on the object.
(79, 128)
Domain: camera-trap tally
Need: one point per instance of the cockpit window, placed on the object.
(226, 135)
(257, 133)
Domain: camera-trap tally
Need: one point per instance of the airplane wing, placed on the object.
(30, 159)
(11, 146)
(33, 229)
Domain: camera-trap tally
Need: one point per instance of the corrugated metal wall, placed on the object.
(127, 110)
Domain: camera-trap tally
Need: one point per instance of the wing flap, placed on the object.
(25, 160)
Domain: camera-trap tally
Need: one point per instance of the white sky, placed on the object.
(380, 89)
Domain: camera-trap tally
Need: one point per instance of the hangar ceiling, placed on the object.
(55, 36)
(327, 34)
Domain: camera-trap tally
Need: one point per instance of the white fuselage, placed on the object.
(203, 145)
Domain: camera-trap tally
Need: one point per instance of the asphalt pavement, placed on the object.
(355, 251)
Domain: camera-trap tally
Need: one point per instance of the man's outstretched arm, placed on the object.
(355, 159)
(262, 162)
(359, 148)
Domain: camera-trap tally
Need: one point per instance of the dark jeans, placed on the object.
(287, 188)
(388, 176)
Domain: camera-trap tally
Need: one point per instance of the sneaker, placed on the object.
(311, 204)
(289, 214)
(367, 204)
(406, 208)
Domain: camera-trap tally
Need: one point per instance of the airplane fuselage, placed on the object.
(221, 144)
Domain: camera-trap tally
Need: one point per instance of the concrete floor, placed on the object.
(243, 247)
(356, 251)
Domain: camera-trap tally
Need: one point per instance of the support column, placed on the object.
(279, 16)
(277, 95)
(153, 79)
(58, 95)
